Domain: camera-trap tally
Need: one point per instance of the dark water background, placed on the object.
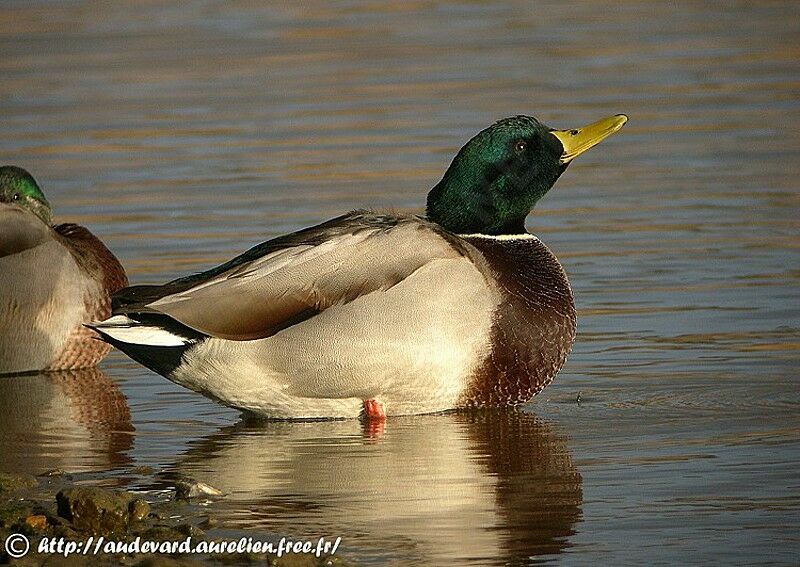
(183, 133)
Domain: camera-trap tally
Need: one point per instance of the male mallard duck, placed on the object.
(53, 279)
(392, 314)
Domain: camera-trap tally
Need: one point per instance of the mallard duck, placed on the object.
(381, 314)
(53, 279)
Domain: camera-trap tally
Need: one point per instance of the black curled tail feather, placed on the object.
(161, 359)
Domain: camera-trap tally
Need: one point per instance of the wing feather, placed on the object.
(337, 262)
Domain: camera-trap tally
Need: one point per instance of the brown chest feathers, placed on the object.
(533, 328)
(83, 348)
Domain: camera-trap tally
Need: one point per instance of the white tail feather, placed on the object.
(126, 330)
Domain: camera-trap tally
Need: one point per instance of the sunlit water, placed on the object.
(182, 135)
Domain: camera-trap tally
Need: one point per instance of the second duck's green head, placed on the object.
(19, 188)
(499, 175)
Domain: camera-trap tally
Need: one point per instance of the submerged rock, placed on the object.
(37, 522)
(162, 533)
(208, 523)
(53, 472)
(139, 510)
(13, 512)
(14, 482)
(119, 515)
(100, 511)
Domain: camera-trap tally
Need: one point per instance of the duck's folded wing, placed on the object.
(285, 281)
(20, 231)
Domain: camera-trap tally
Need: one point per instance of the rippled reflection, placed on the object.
(492, 488)
(76, 420)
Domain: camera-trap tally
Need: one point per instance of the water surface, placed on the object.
(183, 134)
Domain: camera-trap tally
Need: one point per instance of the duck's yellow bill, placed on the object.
(579, 140)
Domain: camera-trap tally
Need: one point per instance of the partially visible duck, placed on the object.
(381, 313)
(53, 279)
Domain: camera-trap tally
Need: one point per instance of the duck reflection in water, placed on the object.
(496, 487)
(76, 420)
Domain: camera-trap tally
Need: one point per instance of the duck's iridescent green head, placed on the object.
(19, 188)
(499, 175)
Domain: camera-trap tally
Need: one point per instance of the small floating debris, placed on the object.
(186, 488)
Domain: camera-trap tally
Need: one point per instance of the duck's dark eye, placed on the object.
(521, 146)
(15, 197)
